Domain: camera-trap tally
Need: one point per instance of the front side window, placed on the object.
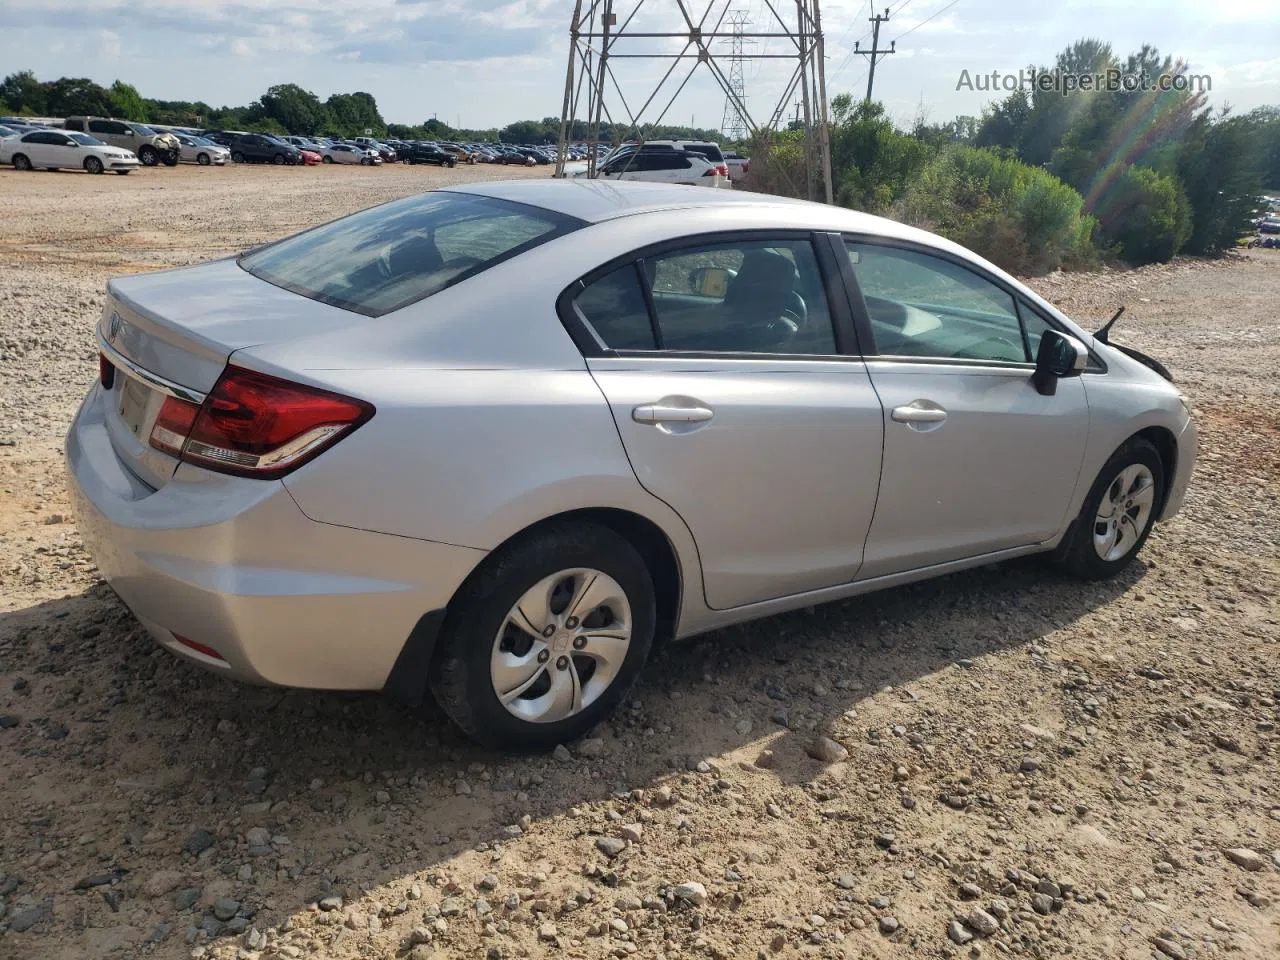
(755, 296)
(925, 306)
(385, 258)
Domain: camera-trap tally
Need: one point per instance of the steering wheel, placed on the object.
(797, 313)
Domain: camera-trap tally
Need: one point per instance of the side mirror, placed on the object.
(1059, 356)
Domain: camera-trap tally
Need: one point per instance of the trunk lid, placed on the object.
(171, 334)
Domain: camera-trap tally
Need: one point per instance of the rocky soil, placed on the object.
(1003, 762)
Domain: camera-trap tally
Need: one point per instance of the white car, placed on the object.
(661, 165)
(56, 149)
(350, 153)
(739, 166)
(195, 149)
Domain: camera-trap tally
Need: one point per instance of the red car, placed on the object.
(310, 158)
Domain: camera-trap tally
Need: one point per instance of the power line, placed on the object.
(936, 13)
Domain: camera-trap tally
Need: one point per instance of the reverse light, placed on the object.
(255, 425)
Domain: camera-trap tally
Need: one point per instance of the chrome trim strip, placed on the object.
(154, 381)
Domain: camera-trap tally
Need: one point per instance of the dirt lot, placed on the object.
(1036, 767)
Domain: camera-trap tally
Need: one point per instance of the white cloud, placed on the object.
(110, 44)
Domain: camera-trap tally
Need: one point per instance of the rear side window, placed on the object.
(388, 257)
(614, 306)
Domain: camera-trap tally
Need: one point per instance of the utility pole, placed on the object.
(875, 54)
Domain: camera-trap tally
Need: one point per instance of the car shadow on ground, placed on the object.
(109, 721)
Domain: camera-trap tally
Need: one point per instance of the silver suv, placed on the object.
(151, 146)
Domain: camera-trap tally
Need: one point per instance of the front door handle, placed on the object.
(670, 413)
(919, 411)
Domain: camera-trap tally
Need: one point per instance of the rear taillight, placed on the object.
(719, 170)
(255, 425)
(106, 372)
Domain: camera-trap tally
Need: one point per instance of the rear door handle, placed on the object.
(919, 411)
(669, 413)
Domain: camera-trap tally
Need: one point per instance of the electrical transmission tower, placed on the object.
(875, 54)
(732, 125)
(601, 34)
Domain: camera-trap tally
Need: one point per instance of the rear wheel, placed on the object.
(545, 640)
(93, 165)
(1117, 515)
(20, 161)
(237, 157)
(148, 156)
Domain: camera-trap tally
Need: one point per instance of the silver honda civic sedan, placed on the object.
(493, 443)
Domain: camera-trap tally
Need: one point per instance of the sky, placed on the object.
(485, 63)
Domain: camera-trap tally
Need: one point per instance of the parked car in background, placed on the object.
(773, 404)
(302, 143)
(350, 153)
(737, 165)
(428, 153)
(224, 138)
(9, 131)
(201, 150)
(150, 146)
(1269, 225)
(659, 163)
(263, 148)
(311, 157)
(59, 149)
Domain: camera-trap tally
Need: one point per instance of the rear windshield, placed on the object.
(380, 260)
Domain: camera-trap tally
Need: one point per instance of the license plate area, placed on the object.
(134, 399)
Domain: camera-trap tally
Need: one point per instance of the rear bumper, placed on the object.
(233, 564)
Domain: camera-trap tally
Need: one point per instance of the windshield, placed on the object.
(388, 257)
(142, 130)
(86, 139)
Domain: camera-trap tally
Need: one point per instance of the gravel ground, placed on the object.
(1013, 764)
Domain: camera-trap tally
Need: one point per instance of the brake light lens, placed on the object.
(719, 170)
(255, 425)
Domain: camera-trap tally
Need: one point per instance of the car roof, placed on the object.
(598, 200)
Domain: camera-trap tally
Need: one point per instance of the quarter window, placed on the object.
(925, 306)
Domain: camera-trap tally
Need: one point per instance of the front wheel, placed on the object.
(93, 165)
(544, 641)
(1117, 515)
(202, 159)
(123, 173)
(148, 157)
(328, 159)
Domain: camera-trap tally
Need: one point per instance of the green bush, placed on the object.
(1018, 217)
(1145, 215)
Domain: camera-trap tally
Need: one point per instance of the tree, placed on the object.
(127, 103)
(23, 93)
(1268, 126)
(350, 114)
(1219, 164)
(871, 162)
(69, 96)
(294, 109)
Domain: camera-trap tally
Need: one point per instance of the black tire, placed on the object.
(278, 159)
(170, 159)
(327, 159)
(148, 156)
(92, 165)
(237, 157)
(1077, 554)
(460, 674)
(123, 173)
(452, 164)
(20, 162)
(203, 159)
